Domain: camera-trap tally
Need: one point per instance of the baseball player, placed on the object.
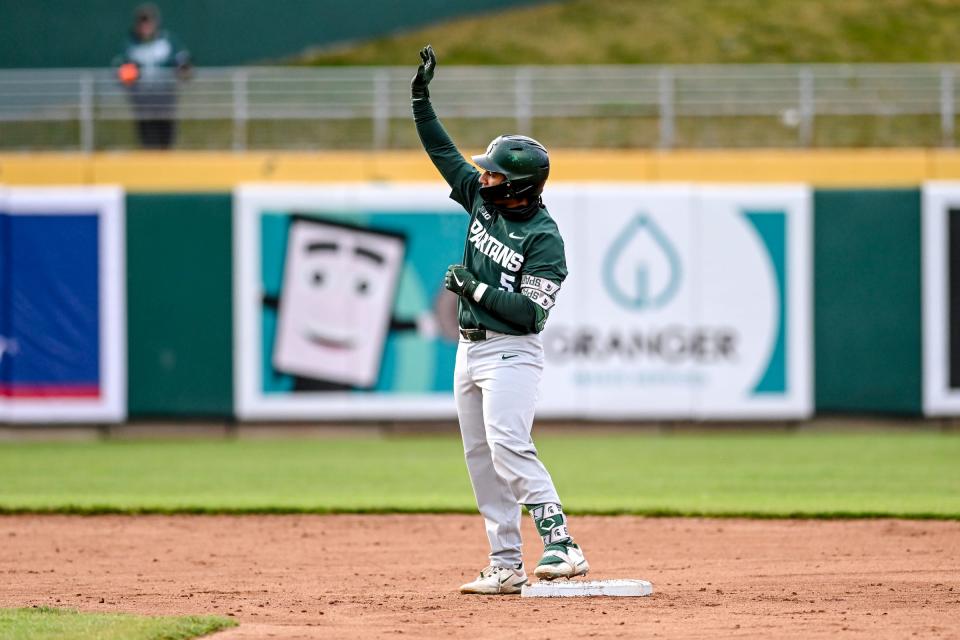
(513, 267)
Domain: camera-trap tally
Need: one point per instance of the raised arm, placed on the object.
(462, 177)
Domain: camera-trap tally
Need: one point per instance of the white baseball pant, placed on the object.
(496, 383)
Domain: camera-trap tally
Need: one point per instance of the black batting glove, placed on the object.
(459, 280)
(428, 64)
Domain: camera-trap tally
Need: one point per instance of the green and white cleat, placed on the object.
(562, 560)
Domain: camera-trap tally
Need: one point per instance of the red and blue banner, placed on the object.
(62, 342)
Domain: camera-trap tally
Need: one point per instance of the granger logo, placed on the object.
(642, 269)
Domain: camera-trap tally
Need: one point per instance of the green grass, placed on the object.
(680, 32)
(43, 623)
(903, 474)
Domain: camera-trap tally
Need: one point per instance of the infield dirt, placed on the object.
(353, 576)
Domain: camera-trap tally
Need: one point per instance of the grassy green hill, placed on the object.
(681, 32)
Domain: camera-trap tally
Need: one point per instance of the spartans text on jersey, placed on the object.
(493, 248)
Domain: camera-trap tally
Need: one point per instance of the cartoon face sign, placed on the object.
(336, 303)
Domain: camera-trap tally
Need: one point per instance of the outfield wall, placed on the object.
(868, 326)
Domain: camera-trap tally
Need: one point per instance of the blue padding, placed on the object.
(52, 282)
(5, 357)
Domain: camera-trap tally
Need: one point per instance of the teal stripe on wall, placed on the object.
(867, 301)
(771, 226)
(179, 305)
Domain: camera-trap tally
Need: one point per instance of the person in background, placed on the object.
(150, 67)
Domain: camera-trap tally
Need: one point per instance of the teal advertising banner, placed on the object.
(341, 307)
(682, 302)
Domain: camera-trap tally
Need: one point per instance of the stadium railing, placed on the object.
(665, 107)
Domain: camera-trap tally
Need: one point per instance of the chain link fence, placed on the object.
(630, 106)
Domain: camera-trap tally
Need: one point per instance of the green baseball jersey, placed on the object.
(513, 255)
(521, 260)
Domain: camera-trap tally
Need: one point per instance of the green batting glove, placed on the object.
(463, 283)
(428, 64)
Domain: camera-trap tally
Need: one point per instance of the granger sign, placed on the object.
(683, 302)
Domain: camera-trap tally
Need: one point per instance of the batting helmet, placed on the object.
(524, 162)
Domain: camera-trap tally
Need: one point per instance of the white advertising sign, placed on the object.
(682, 302)
(941, 298)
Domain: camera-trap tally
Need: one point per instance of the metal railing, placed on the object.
(598, 106)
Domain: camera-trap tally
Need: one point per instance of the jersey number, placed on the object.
(507, 281)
